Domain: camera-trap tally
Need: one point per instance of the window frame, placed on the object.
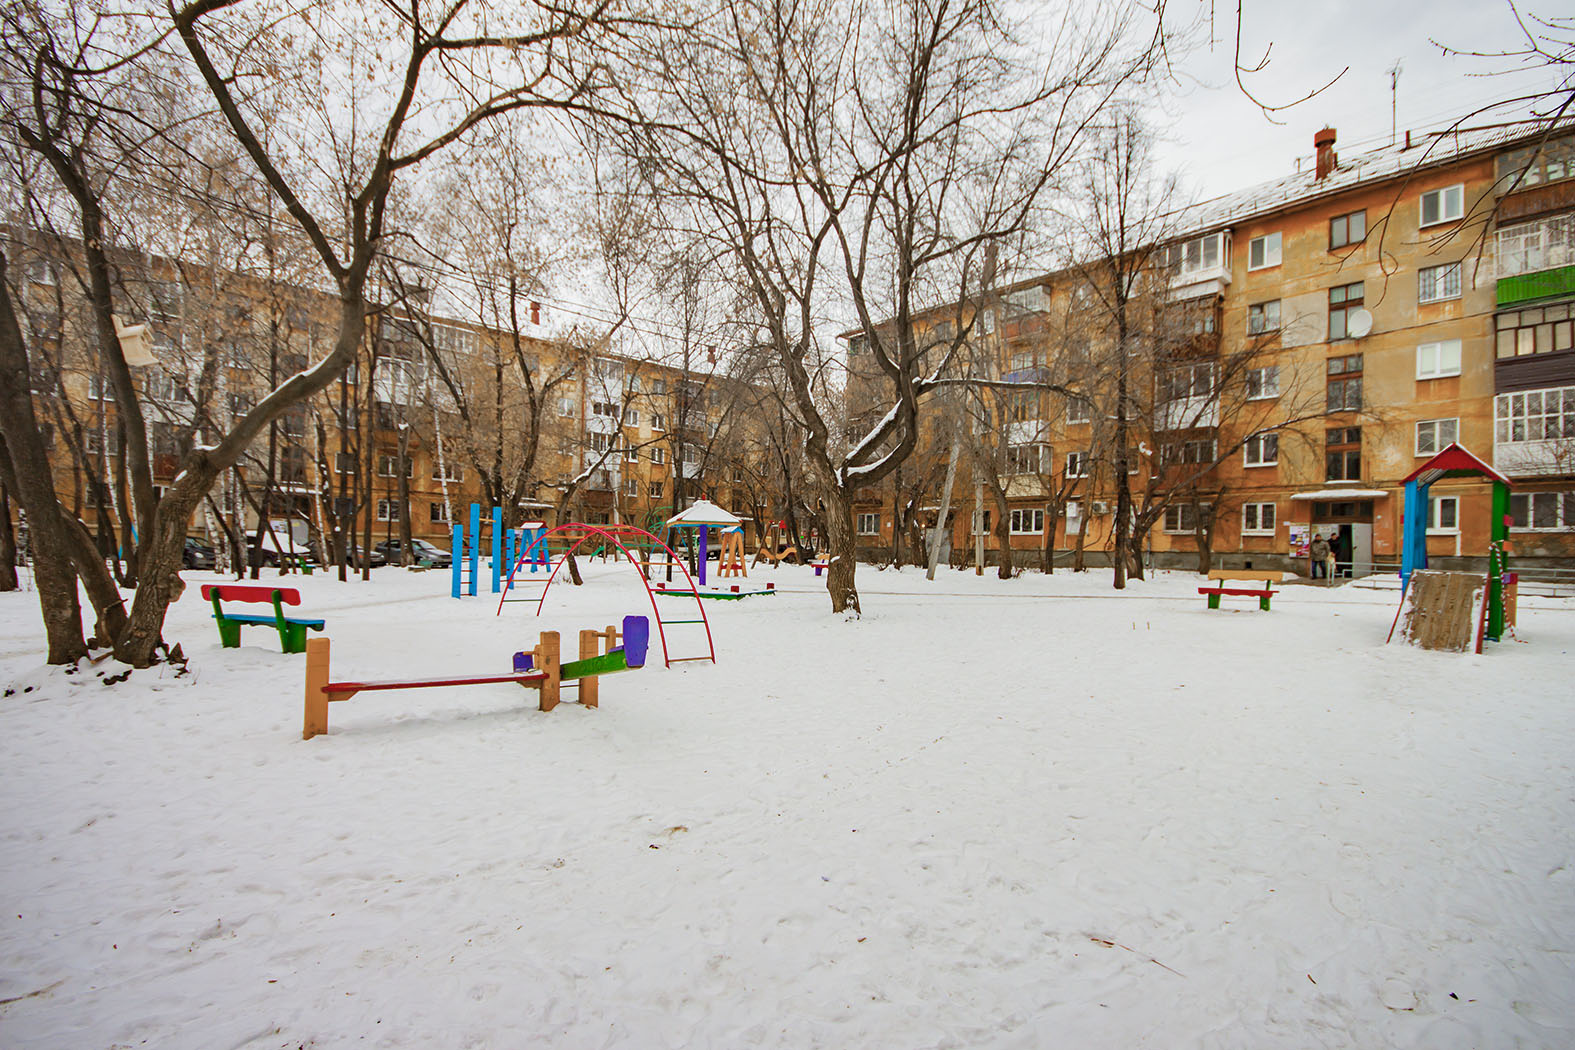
(1272, 254)
(1181, 528)
(864, 519)
(1338, 441)
(1082, 458)
(1435, 509)
(1259, 312)
(1430, 279)
(1015, 518)
(1265, 393)
(1442, 196)
(1440, 369)
(1438, 444)
(1334, 245)
(1259, 442)
(1563, 506)
(1258, 528)
(1343, 306)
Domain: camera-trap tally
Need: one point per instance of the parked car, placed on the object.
(197, 555)
(360, 556)
(267, 556)
(422, 553)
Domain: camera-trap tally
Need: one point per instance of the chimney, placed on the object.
(1328, 160)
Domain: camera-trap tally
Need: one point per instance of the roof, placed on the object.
(1428, 149)
(704, 512)
(1454, 462)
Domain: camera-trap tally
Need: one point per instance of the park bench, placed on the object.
(292, 630)
(1218, 579)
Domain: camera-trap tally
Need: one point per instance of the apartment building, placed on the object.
(1324, 335)
(433, 415)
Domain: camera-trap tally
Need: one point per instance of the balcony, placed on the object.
(1543, 284)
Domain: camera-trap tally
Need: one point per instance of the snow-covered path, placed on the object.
(1030, 814)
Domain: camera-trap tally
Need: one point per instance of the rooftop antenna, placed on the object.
(1394, 84)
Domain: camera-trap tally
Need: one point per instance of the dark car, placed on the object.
(421, 553)
(197, 555)
(359, 557)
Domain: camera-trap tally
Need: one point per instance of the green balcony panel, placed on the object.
(1544, 284)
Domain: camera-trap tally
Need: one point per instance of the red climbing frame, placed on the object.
(578, 533)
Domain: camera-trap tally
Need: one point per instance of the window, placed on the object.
(1544, 244)
(631, 418)
(1345, 383)
(1263, 382)
(1443, 514)
(1185, 517)
(1078, 411)
(98, 389)
(1077, 464)
(1028, 521)
(1194, 380)
(869, 524)
(1263, 252)
(1542, 510)
(1343, 301)
(1189, 258)
(604, 408)
(1534, 165)
(1437, 283)
(1538, 330)
(387, 465)
(1350, 228)
(856, 346)
(1445, 205)
(566, 406)
(1021, 361)
(631, 486)
(344, 463)
(1343, 454)
(40, 272)
(1074, 515)
(448, 472)
(654, 490)
(1026, 459)
(601, 442)
(1257, 519)
(1262, 450)
(1434, 360)
(1263, 317)
(1200, 451)
(437, 513)
(1435, 434)
(387, 510)
(1535, 415)
(659, 387)
(658, 454)
(631, 455)
(657, 422)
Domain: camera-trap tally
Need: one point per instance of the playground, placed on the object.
(990, 813)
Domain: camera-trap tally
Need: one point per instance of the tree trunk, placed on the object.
(1079, 564)
(8, 580)
(402, 466)
(1003, 532)
(30, 478)
(841, 554)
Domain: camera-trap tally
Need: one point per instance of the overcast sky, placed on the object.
(1218, 141)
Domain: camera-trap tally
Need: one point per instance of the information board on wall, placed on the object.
(1301, 539)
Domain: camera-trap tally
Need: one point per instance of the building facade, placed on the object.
(1303, 347)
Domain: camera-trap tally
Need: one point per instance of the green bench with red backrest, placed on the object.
(292, 630)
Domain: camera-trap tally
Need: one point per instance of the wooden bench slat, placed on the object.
(432, 683)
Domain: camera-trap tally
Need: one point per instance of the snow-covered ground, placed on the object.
(1025, 814)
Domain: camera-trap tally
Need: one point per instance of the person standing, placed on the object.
(1318, 554)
